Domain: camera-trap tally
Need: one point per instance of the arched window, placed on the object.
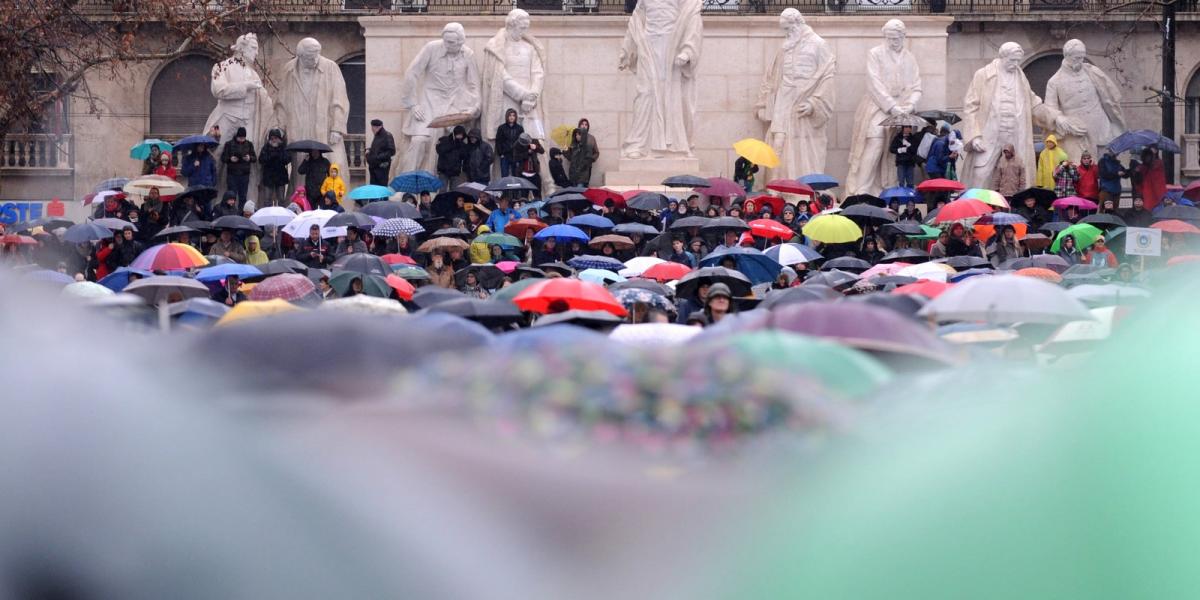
(1040, 70)
(181, 97)
(1191, 105)
(354, 71)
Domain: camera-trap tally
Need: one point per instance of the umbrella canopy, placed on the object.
(85, 289)
(166, 288)
(444, 244)
(898, 193)
(299, 226)
(933, 116)
(1179, 212)
(928, 270)
(757, 152)
(1044, 274)
(1108, 294)
(721, 187)
(963, 211)
(940, 185)
(592, 261)
(364, 304)
(1043, 196)
(868, 214)
(1006, 299)
(637, 265)
(964, 262)
(690, 222)
(792, 254)
(489, 276)
(1140, 138)
(250, 310)
(1044, 261)
(220, 272)
(141, 150)
(739, 284)
(925, 287)
(117, 280)
(619, 242)
(600, 276)
(592, 220)
(292, 287)
(86, 232)
(907, 255)
(372, 285)
(114, 183)
(770, 229)
(563, 233)
(840, 368)
(397, 226)
(169, 257)
(203, 195)
(648, 201)
(489, 313)
(1001, 218)
(1085, 235)
(666, 271)
(857, 199)
(498, 239)
(167, 187)
(347, 219)
(391, 210)
(1104, 221)
(272, 216)
(236, 222)
(904, 120)
(431, 295)
(720, 225)
(629, 297)
(790, 186)
(1074, 201)
(819, 181)
(401, 286)
(601, 196)
(835, 279)
(832, 229)
(846, 263)
(308, 146)
(520, 228)
(361, 262)
(571, 200)
(1175, 226)
(635, 228)
(510, 184)
(798, 295)
(989, 197)
(653, 335)
(756, 266)
(415, 182)
(558, 295)
(368, 193)
(195, 140)
(685, 181)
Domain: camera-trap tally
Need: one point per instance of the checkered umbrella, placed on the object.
(287, 286)
(397, 226)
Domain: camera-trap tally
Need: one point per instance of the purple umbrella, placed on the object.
(1076, 201)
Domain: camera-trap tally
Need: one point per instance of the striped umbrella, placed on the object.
(397, 226)
(286, 286)
(169, 257)
(986, 196)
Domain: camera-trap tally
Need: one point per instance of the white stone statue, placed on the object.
(796, 98)
(241, 99)
(893, 88)
(442, 80)
(662, 48)
(1084, 103)
(514, 67)
(999, 108)
(312, 103)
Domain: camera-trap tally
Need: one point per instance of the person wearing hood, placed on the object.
(938, 156)
(579, 153)
(238, 155)
(1048, 161)
(254, 253)
(480, 253)
(870, 251)
(719, 303)
(1008, 177)
(351, 244)
(379, 155)
(507, 135)
(329, 202)
(1006, 246)
(1137, 215)
(1111, 172)
(151, 161)
(558, 173)
(1067, 250)
(228, 247)
(940, 248)
(472, 288)
(228, 206)
(126, 249)
(274, 160)
(164, 167)
(314, 168)
(200, 167)
(478, 158)
(1152, 178)
(528, 166)
(334, 184)
(451, 150)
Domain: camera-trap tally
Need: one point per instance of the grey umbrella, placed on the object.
(164, 289)
(1006, 299)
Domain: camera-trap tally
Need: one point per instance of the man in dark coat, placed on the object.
(450, 152)
(379, 155)
(274, 160)
(315, 169)
(477, 163)
(238, 155)
(506, 137)
(313, 251)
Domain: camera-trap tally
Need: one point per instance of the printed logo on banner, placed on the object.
(1143, 241)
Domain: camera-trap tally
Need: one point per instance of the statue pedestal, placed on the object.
(650, 172)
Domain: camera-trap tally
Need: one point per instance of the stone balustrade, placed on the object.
(33, 152)
(1190, 166)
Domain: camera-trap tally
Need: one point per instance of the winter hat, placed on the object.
(278, 133)
(241, 132)
(294, 208)
(460, 130)
(376, 123)
(697, 317)
(718, 290)
(229, 194)
(524, 139)
(249, 206)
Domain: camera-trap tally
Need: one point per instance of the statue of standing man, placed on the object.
(1084, 103)
(998, 109)
(893, 88)
(514, 67)
(241, 99)
(312, 103)
(662, 48)
(442, 80)
(796, 98)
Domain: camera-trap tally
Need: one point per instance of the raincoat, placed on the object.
(1047, 162)
(334, 183)
(254, 253)
(480, 253)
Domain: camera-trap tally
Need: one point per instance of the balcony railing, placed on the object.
(1190, 168)
(34, 152)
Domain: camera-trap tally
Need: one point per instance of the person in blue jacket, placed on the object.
(939, 154)
(200, 167)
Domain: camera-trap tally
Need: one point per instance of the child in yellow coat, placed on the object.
(334, 183)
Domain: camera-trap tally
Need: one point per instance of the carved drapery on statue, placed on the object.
(312, 103)
(242, 101)
(442, 80)
(512, 71)
(1083, 103)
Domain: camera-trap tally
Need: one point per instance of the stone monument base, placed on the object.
(650, 172)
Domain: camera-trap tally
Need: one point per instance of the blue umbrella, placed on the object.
(756, 266)
(195, 140)
(819, 181)
(600, 276)
(415, 182)
(117, 280)
(366, 193)
(1140, 138)
(592, 220)
(86, 232)
(220, 272)
(594, 261)
(141, 150)
(562, 233)
(899, 193)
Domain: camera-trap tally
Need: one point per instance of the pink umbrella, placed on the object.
(507, 266)
(883, 269)
(722, 187)
(1076, 201)
(1192, 191)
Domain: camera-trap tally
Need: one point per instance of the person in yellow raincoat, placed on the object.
(334, 183)
(480, 253)
(254, 253)
(1048, 160)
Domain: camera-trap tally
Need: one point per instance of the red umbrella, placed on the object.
(667, 271)
(599, 195)
(560, 295)
(286, 286)
(519, 228)
(791, 186)
(755, 204)
(1183, 259)
(722, 187)
(1192, 191)
(770, 229)
(403, 288)
(962, 209)
(1175, 226)
(940, 185)
(13, 238)
(925, 287)
(397, 259)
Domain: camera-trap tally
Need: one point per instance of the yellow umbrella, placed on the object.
(253, 309)
(757, 152)
(561, 135)
(832, 229)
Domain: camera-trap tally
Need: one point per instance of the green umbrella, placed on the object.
(838, 367)
(373, 285)
(931, 233)
(141, 150)
(498, 239)
(508, 292)
(410, 272)
(1084, 233)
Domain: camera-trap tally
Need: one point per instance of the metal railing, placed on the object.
(36, 152)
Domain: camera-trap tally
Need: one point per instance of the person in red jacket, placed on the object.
(1088, 185)
(1153, 177)
(1100, 255)
(164, 167)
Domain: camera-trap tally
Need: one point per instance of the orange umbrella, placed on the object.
(1040, 273)
(561, 295)
(926, 287)
(1183, 259)
(1176, 226)
(984, 232)
(403, 288)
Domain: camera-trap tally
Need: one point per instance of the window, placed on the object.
(53, 117)
(181, 96)
(1191, 105)
(1039, 72)
(354, 71)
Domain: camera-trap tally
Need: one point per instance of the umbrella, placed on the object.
(346, 219)
(635, 228)
(86, 232)
(367, 193)
(1182, 213)
(1053, 262)
(857, 199)
(202, 194)
(1042, 196)
(410, 272)
(770, 229)
(445, 244)
(308, 146)
(1192, 191)
(868, 214)
(489, 276)
(638, 265)
(643, 284)
(1044, 274)
(361, 262)
(508, 292)
(933, 116)
(965, 262)
(117, 280)
(1054, 227)
(283, 265)
(798, 295)
(272, 216)
(792, 254)
(629, 297)
(114, 183)
(162, 288)
(832, 229)
(986, 196)
(250, 310)
(166, 186)
(601, 196)
(415, 182)
(114, 224)
(401, 286)
(790, 186)
(940, 185)
(445, 204)
(562, 233)
(431, 295)
(667, 271)
(20, 240)
(141, 150)
(1076, 201)
(237, 222)
(592, 261)
(1001, 218)
(520, 228)
(721, 187)
(372, 285)
(1006, 299)
(928, 270)
(169, 257)
(197, 311)
(195, 140)
(739, 284)
(591, 220)
(1104, 220)
(838, 367)
(686, 181)
(690, 222)
(561, 135)
(883, 268)
(846, 263)
(292, 287)
(925, 287)
(1085, 235)
(756, 266)
(299, 226)
(819, 181)
(908, 255)
(720, 225)
(962, 211)
(1175, 226)
(489, 313)
(619, 242)
(220, 272)
(86, 290)
(391, 210)
(600, 276)
(48, 276)
(558, 295)
(1108, 295)
(365, 304)
(757, 152)
(898, 193)
(397, 226)
(571, 200)
(648, 201)
(510, 184)
(653, 335)
(1139, 138)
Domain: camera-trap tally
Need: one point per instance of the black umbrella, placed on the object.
(1042, 196)
(510, 184)
(965, 262)
(591, 319)
(868, 214)
(176, 230)
(391, 210)
(198, 225)
(561, 268)
(905, 304)
(1053, 227)
(739, 285)
(235, 222)
(908, 255)
(488, 276)
(722, 224)
(642, 284)
(857, 199)
(431, 295)
(798, 295)
(46, 223)
(283, 265)
(573, 189)
(835, 279)
(886, 281)
(528, 272)
(361, 262)
(689, 222)
(686, 181)
(1178, 211)
(1053, 262)
(202, 194)
(86, 232)
(571, 200)
(648, 201)
(1104, 221)
(488, 313)
(457, 232)
(308, 146)
(846, 263)
(933, 116)
(902, 228)
(351, 219)
(445, 204)
(632, 228)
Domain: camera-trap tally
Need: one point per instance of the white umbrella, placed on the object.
(1099, 328)
(158, 290)
(791, 254)
(298, 227)
(1006, 299)
(1108, 295)
(653, 334)
(85, 289)
(930, 271)
(273, 216)
(365, 304)
(634, 267)
(142, 186)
